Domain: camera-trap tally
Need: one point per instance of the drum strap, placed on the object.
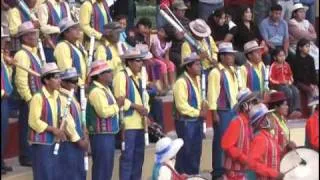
(175, 174)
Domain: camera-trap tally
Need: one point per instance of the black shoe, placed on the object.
(6, 168)
(26, 163)
(3, 172)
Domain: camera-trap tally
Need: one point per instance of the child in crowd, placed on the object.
(281, 79)
(160, 46)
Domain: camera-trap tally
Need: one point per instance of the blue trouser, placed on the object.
(188, 158)
(25, 148)
(217, 153)
(132, 157)
(45, 164)
(102, 149)
(71, 161)
(4, 125)
(48, 52)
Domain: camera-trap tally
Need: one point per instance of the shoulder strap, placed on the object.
(108, 52)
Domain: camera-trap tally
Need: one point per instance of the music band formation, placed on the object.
(83, 83)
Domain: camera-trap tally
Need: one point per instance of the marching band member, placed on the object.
(44, 115)
(94, 14)
(312, 126)
(6, 90)
(264, 152)
(201, 32)
(278, 102)
(166, 151)
(26, 84)
(109, 50)
(222, 94)
(18, 15)
(190, 114)
(102, 120)
(236, 139)
(127, 83)
(50, 13)
(69, 52)
(72, 150)
(254, 70)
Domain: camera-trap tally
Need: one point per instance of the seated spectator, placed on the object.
(281, 79)
(219, 28)
(160, 46)
(274, 31)
(140, 34)
(299, 27)
(246, 30)
(303, 69)
(122, 20)
(261, 9)
(287, 6)
(206, 7)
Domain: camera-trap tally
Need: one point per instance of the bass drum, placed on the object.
(196, 178)
(300, 164)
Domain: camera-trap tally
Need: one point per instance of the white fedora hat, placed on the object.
(200, 28)
(251, 46)
(66, 23)
(167, 149)
(49, 68)
(144, 50)
(226, 47)
(257, 112)
(299, 6)
(189, 59)
(25, 28)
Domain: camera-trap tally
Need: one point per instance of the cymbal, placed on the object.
(301, 163)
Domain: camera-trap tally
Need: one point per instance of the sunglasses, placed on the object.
(56, 76)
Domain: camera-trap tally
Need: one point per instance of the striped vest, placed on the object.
(272, 157)
(5, 80)
(97, 125)
(97, 21)
(130, 92)
(224, 98)
(192, 96)
(76, 59)
(45, 137)
(75, 112)
(54, 19)
(34, 82)
(243, 143)
(253, 81)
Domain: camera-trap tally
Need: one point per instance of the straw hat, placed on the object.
(200, 28)
(226, 47)
(179, 4)
(191, 58)
(251, 46)
(133, 53)
(25, 28)
(298, 6)
(49, 68)
(70, 73)
(98, 67)
(245, 95)
(257, 112)
(66, 23)
(167, 149)
(314, 101)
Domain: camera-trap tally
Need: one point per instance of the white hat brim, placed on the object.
(313, 103)
(174, 148)
(250, 97)
(27, 31)
(296, 8)
(203, 35)
(69, 26)
(253, 49)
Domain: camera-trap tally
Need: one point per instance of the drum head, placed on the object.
(196, 178)
(310, 171)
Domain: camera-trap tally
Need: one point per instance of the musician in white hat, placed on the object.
(50, 14)
(128, 83)
(191, 111)
(201, 32)
(312, 126)
(69, 52)
(253, 71)
(26, 84)
(102, 120)
(44, 121)
(222, 96)
(237, 137)
(108, 50)
(265, 153)
(166, 151)
(6, 90)
(72, 151)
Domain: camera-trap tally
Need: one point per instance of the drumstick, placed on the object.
(302, 162)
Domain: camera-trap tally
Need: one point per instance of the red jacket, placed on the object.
(264, 157)
(312, 131)
(236, 143)
(280, 74)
